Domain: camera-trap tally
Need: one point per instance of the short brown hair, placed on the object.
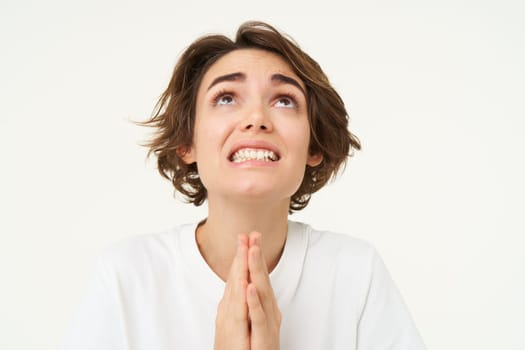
(174, 114)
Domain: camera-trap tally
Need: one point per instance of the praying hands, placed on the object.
(248, 316)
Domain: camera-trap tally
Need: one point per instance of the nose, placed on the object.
(255, 126)
(257, 119)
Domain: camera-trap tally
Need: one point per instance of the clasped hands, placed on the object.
(248, 316)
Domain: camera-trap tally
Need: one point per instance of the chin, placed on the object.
(255, 192)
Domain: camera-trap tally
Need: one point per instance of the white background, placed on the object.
(435, 91)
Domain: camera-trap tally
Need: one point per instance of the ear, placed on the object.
(187, 154)
(314, 159)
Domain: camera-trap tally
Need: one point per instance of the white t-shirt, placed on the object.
(157, 292)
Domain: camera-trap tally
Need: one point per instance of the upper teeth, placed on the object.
(245, 154)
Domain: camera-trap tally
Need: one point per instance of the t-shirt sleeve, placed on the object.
(97, 323)
(385, 321)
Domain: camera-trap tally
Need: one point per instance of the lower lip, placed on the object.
(254, 164)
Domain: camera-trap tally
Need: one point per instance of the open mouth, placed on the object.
(246, 154)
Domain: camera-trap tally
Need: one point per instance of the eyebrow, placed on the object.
(227, 77)
(238, 76)
(287, 80)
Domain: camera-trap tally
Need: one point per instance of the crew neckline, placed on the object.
(285, 276)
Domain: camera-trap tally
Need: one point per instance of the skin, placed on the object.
(248, 96)
(248, 316)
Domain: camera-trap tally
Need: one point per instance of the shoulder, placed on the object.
(337, 244)
(340, 265)
(141, 252)
(333, 255)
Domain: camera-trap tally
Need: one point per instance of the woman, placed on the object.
(254, 127)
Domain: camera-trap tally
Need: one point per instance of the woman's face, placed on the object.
(251, 131)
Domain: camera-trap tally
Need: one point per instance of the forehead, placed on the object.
(255, 63)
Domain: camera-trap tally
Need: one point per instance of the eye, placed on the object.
(224, 99)
(286, 102)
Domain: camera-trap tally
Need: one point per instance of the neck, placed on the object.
(217, 236)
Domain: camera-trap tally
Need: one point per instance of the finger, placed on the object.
(260, 278)
(239, 267)
(239, 301)
(255, 308)
(241, 258)
(254, 239)
(256, 262)
(234, 298)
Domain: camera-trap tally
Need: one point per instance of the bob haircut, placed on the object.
(174, 114)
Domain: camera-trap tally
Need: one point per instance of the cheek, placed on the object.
(209, 133)
(299, 138)
(204, 130)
